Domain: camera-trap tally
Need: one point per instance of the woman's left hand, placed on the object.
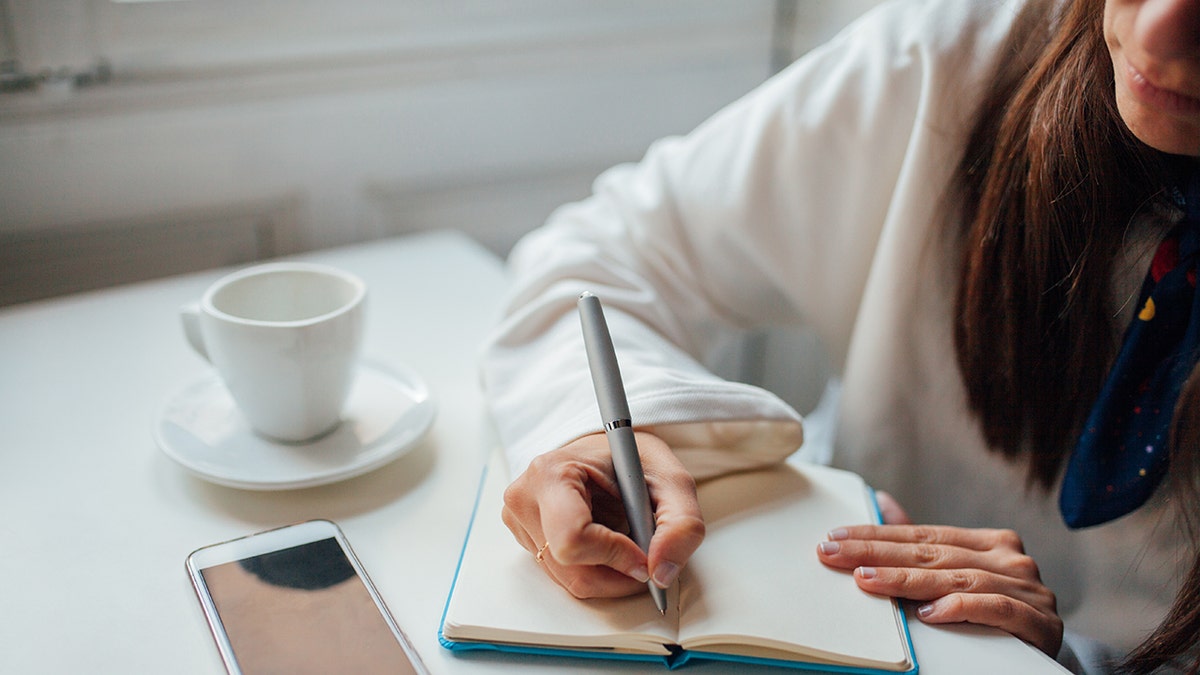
(974, 575)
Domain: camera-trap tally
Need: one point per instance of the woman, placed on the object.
(962, 200)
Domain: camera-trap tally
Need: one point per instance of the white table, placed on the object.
(95, 522)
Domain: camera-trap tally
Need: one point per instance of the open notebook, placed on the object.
(753, 592)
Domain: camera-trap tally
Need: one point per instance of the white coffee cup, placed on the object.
(285, 338)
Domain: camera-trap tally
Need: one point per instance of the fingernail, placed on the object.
(866, 572)
(640, 573)
(925, 610)
(839, 533)
(829, 547)
(665, 573)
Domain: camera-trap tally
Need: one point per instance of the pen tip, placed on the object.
(585, 294)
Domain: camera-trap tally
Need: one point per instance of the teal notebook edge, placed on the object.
(673, 661)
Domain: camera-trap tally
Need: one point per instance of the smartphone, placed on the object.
(297, 600)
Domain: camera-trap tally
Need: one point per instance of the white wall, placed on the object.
(260, 128)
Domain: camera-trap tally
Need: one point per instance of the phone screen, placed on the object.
(303, 610)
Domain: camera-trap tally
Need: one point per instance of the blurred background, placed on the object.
(141, 139)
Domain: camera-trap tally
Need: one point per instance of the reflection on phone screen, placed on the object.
(303, 610)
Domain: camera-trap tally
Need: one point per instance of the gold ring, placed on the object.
(540, 552)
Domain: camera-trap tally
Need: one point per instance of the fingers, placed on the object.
(852, 553)
(974, 575)
(978, 539)
(552, 503)
(925, 585)
(590, 581)
(569, 499)
(1022, 620)
(890, 509)
(678, 526)
(565, 511)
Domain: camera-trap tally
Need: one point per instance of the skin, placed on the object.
(567, 499)
(1155, 49)
(956, 574)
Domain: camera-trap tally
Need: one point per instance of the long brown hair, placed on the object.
(1050, 183)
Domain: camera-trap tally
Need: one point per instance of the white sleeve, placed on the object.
(767, 214)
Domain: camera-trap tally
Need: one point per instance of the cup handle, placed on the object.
(189, 314)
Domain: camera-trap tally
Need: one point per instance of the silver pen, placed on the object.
(618, 428)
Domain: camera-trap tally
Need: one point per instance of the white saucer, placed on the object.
(388, 411)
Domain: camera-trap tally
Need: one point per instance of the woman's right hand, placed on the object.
(565, 509)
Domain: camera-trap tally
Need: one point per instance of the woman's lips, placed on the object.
(1164, 99)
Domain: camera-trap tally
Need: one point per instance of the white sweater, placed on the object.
(814, 201)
